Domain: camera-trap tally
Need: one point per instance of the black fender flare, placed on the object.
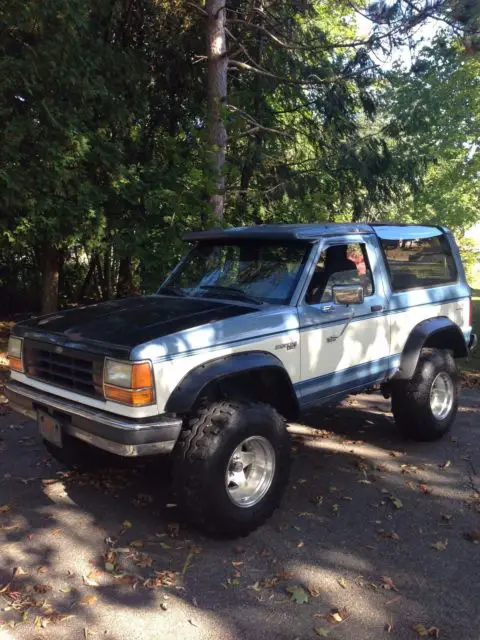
(438, 332)
(190, 388)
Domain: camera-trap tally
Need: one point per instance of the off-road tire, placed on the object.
(411, 398)
(200, 460)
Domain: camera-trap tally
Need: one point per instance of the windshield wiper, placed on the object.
(235, 291)
(172, 291)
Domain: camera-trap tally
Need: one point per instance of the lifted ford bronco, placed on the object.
(253, 326)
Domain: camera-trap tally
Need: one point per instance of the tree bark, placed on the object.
(88, 281)
(126, 280)
(217, 95)
(50, 272)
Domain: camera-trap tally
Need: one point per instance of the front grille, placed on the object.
(70, 369)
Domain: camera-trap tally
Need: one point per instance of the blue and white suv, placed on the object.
(253, 326)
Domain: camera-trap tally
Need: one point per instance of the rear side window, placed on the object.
(422, 262)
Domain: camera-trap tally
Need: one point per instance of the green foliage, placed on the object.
(102, 130)
(436, 108)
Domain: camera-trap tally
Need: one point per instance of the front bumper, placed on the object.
(473, 341)
(116, 434)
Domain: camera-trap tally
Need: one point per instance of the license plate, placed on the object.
(50, 428)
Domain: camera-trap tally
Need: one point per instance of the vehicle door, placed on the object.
(343, 346)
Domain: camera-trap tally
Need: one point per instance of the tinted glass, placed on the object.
(264, 270)
(423, 262)
(337, 265)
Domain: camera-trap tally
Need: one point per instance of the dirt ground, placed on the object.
(376, 538)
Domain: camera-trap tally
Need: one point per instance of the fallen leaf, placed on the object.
(173, 529)
(381, 467)
(421, 630)
(389, 535)
(313, 590)
(42, 569)
(322, 631)
(143, 560)
(473, 536)
(446, 517)
(317, 500)
(125, 579)
(5, 508)
(42, 588)
(91, 579)
(424, 489)
(338, 615)
(126, 524)
(396, 599)
(138, 544)
(342, 582)
(18, 571)
(445, 465)
(397, 503)
(300, 544)
(441, 545)
(388, 628)
(187, 563)
(298, 595)
(89, 600)
(387, 583)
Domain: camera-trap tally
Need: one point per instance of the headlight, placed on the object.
(15, 353)
(128, 382)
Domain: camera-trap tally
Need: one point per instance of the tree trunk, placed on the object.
(126, 280)
(217, 95)
(50, 269)
(88, 282)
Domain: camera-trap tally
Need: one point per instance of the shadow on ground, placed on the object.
(102, 555)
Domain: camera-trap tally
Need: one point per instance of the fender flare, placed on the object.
(431, 331)
(186, 393)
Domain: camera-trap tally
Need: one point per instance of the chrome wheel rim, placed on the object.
(250, 471)
(442, 396)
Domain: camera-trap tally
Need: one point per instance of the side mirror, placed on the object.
(347, 294)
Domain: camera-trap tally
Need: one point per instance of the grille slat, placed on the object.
(74, 371)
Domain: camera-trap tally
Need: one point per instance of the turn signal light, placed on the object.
(16, 364)
(133, 397)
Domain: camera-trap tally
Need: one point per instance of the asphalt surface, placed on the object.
(354, 536)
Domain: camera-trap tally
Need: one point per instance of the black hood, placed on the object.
(129, 322)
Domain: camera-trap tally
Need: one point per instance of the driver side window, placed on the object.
(340, 264)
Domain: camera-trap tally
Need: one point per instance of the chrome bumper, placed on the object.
(116, 434)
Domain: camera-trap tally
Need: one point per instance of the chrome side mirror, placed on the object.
(347, 294)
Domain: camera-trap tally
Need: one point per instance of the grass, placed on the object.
(473, 363)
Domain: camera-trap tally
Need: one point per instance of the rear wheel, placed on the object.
(231, 466)
(425, 406)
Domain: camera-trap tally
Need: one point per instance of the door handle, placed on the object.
(328, 308)
(376, 307)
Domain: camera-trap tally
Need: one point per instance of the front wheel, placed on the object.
(425, 407)
(231, 465)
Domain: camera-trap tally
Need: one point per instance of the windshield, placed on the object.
(248, 270)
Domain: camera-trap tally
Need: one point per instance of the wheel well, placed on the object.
(449, 338)
(268, 384)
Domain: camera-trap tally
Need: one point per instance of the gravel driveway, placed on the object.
(376, 536)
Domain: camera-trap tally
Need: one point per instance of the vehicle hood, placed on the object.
(123, 324)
